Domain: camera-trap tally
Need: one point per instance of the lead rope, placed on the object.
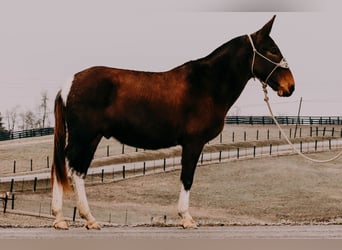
(266, 99)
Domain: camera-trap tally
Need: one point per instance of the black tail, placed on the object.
(58, 165)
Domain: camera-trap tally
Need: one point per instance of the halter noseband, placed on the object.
(282, 64)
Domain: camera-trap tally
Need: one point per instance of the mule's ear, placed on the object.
(266, 30)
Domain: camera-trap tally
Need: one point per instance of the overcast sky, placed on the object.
(43, 43)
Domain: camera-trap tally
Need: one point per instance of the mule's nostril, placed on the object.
(292, 88)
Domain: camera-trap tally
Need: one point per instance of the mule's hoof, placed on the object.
(93, 225)
(61, 225)
(188, 223)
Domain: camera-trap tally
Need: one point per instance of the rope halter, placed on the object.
(282, 64)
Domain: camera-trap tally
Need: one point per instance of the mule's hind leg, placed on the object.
(57, 203)
(80, 156)
(190, 155)
(82, 203)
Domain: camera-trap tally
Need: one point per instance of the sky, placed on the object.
(44, 43)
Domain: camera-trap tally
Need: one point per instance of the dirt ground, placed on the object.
(38, 150)
(283, 190)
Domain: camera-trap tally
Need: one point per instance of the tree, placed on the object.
(3, 132)
(28, 120)
(12, 116)
(43, 109)
(1, 124)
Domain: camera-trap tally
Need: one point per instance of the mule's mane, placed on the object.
(226, 48)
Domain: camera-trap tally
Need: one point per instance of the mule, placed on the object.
(184, 106)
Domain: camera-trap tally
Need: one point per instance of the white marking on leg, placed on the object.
(183, 209)
(183, 203)
(66, 89)
(57, 204)
(82, 203)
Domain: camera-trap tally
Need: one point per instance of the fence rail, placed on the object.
(11, 135)
(285, 120)
(243, 120)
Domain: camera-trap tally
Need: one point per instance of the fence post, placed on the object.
(144, 169)
(270, 149)
(102, 175)
(14, 162)
(13, 197)
(164, 164)
(123, 149)
(35, 184)
(5, 205)
(257, 135)
(310, 131)
(315, 145)
(47, 162)
(233, 135)
(244, 136)
(221, 137)
(268, 134)
(12, 185)
(107, 150)
(74, 214)
(301, 146)
(31, 164)
(220, 155)
(123, 172)
(238, 153)
(254, 149)
(333, 131)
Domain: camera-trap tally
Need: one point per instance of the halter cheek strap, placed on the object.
(282, 64)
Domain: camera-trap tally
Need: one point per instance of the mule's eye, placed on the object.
(274, 50)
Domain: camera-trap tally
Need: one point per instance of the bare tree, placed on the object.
(43, 108)
(12, 116)
(235, 111)
(28, 120)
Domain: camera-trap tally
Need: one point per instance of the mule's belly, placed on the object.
(141, 137)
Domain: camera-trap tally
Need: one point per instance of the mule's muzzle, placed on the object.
(286, 92)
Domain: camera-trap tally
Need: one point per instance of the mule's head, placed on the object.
(268, 64)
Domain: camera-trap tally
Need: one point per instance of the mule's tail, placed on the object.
(58, 169)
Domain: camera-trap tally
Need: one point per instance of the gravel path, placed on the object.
(235, 232)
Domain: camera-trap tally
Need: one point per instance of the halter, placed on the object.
(282, 64)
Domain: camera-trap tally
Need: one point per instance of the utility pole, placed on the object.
(298, 116)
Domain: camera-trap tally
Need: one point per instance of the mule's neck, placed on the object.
(225, 72)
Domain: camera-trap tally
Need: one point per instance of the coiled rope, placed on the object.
(266, 99)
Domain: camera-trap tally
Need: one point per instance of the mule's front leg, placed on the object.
(82, 203)
(183, 209)
(190, 155)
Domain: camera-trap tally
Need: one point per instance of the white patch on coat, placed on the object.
(66, 90)
(183, 203)
(82, 202)
(57, 197)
